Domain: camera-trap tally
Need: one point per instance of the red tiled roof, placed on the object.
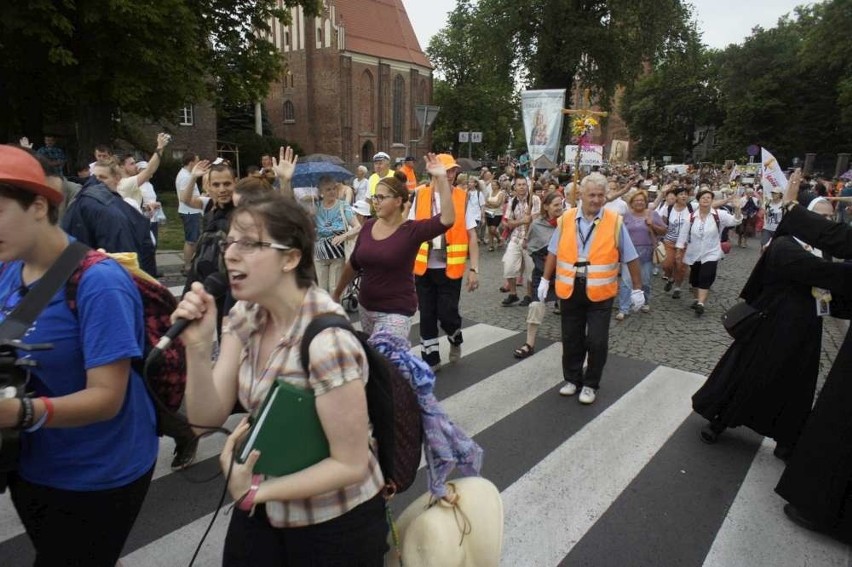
(380, 28)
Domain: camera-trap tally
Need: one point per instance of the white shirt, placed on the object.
(184, 176)
(436, 257)
(360, 186)
(701, 239)
(619, 206)
(772, 215)
(148, 196)
(677, 220)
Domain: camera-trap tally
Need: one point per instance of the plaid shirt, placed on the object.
(336, 358)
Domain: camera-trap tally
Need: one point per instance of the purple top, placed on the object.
(387, 279)
(640, 235)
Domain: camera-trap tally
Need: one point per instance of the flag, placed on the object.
(734, 173)
(773, 176)
(542, 114)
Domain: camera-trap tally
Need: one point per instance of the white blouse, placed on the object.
(702, 239)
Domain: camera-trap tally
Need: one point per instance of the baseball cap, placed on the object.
(19, 169)
(140, 165)
(381, 155)
(447, 161)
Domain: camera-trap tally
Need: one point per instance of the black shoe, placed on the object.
(710, 433)
(668, 287)
(676, 294)
(184, 454)
(694, 305)
(800, 519)
(525, 301)
(510, 300)
(699, 309)
(783, 452)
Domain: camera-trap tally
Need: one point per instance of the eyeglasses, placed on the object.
(246, 246)
(378, 198)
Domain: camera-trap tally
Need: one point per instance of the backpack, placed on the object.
(669, 212)
(166, 379)
(391, 404)
(715, 218)
(208, 258)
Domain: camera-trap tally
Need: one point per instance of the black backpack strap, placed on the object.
(34, 302)
(319, 324)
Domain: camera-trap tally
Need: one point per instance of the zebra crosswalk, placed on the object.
(623, 482)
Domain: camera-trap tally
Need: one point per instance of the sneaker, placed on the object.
(619, 316)
(455, 353)
(676, 294)
(668, 287)
(694, 304)
(510, 300)
(645, 308)
(525, 301)
(699, 309)
(587, 395)
(569, 389)
(656, 272)
(184, 454)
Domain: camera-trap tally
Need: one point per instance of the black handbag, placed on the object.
(742, 320)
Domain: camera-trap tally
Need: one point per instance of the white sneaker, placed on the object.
(645, 308)
(619, 316)
(569, 389)
(587, 395)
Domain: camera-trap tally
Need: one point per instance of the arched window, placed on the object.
(289, 112)
(398, 108)
(366, 96)
(367, 151)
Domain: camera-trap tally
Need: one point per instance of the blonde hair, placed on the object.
(641, 193)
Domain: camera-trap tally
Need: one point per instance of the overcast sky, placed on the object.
(722, 22)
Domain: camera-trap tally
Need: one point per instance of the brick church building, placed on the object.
(353, 78)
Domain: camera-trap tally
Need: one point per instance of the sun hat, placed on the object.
(21, 170)
(362, 208)
(381, 155)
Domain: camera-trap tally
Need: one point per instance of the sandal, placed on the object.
(524, 351)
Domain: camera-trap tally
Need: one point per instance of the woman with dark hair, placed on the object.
(331, 512)
(540, 233)
(702, 239)
(385, 251)
(88, 429)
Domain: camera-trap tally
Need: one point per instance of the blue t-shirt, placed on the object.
(107, 327)
(334, 220)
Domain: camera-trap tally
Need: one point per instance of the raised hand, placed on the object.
(433, 166)
(792, 193)
(285, 166)
(201, 168)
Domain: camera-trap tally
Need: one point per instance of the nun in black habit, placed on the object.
(767, 380)
(817, 482)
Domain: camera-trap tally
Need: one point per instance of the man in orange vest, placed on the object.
(410, 175)
(584, 253)
(440, 266)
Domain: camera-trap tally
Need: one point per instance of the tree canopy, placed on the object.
(87, 61)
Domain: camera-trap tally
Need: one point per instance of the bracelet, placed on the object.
(28, 414)
(38, 425)
(48, 408)
(246, 501)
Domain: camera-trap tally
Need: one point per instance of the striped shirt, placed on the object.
(336, 358)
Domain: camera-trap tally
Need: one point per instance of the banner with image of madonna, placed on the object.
(542, 112)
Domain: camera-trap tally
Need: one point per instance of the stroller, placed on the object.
(349, 299)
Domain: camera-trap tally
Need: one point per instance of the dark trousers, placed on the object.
(438, 300)
(358, 538)
(82, 529)
(585, 329)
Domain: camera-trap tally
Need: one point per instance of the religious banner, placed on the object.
(542, 113)
(592, 154)
(619, 151)
(772, 176)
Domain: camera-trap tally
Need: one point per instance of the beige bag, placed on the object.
(659, 254)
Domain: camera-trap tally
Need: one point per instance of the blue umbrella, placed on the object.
(308, 174)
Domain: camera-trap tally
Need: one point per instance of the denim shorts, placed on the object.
(191, 226)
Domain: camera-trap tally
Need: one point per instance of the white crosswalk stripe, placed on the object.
(573, 478)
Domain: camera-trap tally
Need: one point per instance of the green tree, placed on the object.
(84, 62)
(669, 109)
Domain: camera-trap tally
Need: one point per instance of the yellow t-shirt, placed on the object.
(374, 180)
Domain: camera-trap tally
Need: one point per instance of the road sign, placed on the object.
(476, 137)
(464, 137)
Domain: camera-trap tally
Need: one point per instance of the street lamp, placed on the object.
(426, 114)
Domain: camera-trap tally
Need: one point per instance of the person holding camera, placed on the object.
(88, 426)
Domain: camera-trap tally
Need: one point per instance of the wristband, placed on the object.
(246, 502)
(27, 416)
(48, 408)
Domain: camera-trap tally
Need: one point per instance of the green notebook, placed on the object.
(287, 432)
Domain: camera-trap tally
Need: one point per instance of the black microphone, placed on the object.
(216, 285)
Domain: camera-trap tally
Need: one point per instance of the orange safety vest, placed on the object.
(456, 236)
(603, 269)
(411, 184)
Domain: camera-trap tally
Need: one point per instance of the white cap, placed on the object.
(362, 208)
(140, 165)
(381, 155)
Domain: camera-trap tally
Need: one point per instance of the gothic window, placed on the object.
(398, 108)
(366, 96)
(289, 112)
